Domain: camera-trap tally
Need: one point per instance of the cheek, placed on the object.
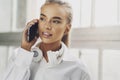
(40, 27)
(59, 32)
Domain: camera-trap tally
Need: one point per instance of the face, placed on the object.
(52, 23)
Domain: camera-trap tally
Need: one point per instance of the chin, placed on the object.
(50, 42)
(47, 41)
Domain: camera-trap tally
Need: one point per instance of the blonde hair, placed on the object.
(68, 9)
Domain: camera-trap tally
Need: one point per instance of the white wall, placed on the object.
(5, 15)
(5, 26)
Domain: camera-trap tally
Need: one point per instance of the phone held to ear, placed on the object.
(32, 32)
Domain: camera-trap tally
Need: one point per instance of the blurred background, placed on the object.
(95, 37)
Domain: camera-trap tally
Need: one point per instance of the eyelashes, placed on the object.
(53, 21)
(56, 21)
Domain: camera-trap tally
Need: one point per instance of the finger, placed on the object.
(36, 37)
(33, 21)
(33, 41)
(30, 24)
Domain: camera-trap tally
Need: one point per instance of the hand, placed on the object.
(25, 44)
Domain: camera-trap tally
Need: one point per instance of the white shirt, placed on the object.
(24, 65)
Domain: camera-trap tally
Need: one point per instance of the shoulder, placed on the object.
(77, 63)
(79, 67)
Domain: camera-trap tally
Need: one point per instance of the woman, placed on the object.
(52, 61)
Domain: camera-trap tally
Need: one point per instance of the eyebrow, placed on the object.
(55, 17)
(42, 14)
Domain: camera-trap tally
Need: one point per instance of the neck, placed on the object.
(51, 46)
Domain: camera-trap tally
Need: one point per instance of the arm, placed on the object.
(18, 68)
(80, 75)
(81, 72)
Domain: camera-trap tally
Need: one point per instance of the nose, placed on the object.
(48, 25)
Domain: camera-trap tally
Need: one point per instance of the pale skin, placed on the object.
(52, 27)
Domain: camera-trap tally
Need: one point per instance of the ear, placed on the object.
(67, 30)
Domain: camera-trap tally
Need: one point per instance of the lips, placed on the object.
(46, 34)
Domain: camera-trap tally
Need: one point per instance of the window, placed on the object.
(106, 13)
(95, 36)
(111, 61)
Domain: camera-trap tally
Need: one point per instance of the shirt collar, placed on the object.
(54, 57)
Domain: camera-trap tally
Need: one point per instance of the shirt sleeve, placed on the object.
(19, 66)
(85, 74)
(80, 72)
(80, 75)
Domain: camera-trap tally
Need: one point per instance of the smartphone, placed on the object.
(32, 32)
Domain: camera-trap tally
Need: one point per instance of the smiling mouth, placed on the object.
(46, 34)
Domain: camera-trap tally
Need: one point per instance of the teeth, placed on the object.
(46, 33)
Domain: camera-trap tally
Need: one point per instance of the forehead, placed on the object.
(51, 10)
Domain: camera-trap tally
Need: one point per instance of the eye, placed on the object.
(42, 19)
(56, 21)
